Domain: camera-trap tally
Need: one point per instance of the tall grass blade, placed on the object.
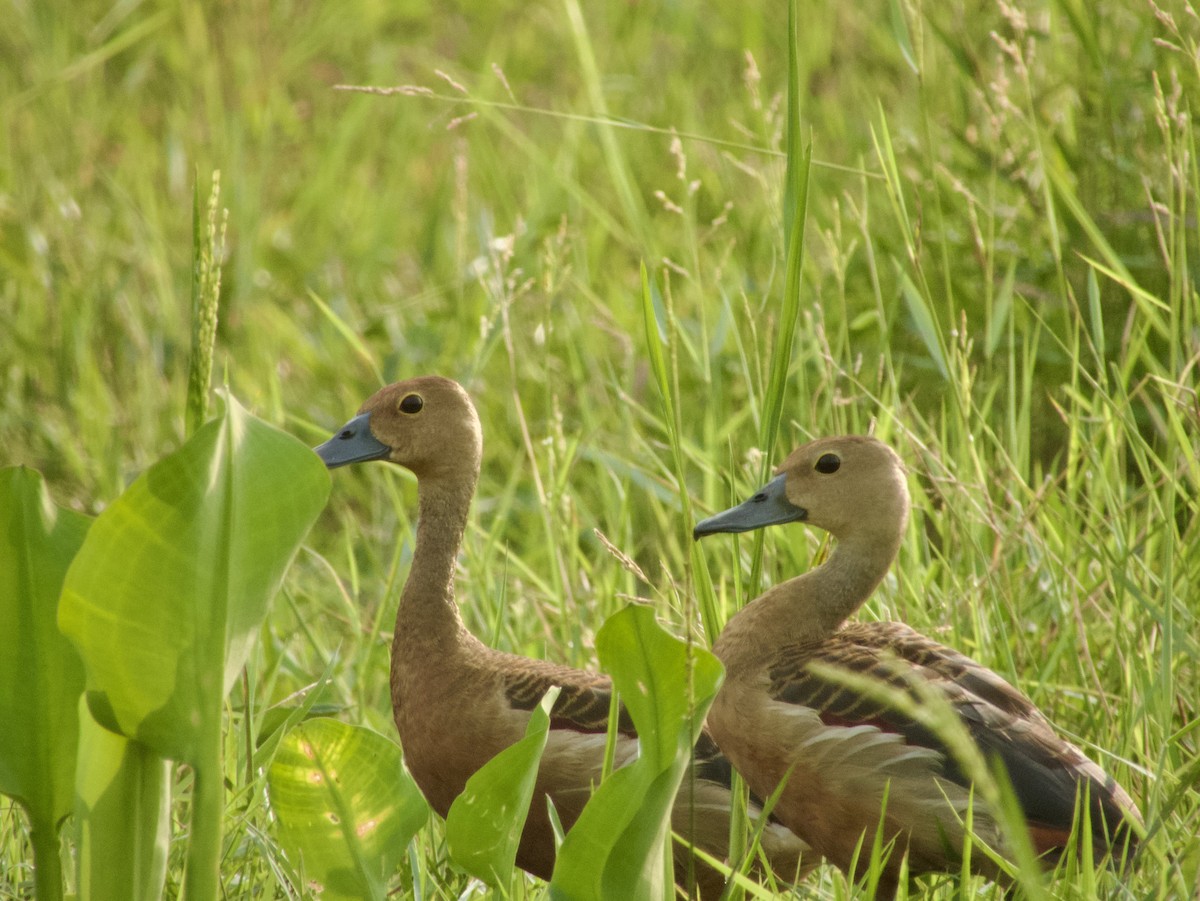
(350, 335)
(795, 211)
(901, 35)
(925, 322)
(656, 336)
(614, 154)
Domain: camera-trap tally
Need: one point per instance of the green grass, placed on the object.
(999, 279)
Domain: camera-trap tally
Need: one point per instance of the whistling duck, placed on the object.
(457, 702)
(780, 719)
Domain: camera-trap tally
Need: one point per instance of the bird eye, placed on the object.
(412, 403)
(828, 463)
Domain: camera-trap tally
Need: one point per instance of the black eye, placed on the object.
(828, 463)
(412, 403)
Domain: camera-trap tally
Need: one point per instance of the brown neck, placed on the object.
(811, 606)
(428, 621)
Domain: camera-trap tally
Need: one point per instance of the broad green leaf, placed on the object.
(618, 848)
(485, 822)
(41, 677)
(345, 805)
(122, 816)
(167, 593)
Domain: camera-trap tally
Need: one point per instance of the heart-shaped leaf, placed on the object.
(167, 594)
(346, 807)
(169, 590)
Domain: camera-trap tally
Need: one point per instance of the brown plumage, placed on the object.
(457, 702)
(782, 714)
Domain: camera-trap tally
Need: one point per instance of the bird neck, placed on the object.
(428, 618)
(811, 606)
(830, 594)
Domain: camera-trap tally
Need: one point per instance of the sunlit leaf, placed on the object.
(618, 848)
(122, 816)
(485, 822)
(41, 676)
(168, 592)
(346, 807)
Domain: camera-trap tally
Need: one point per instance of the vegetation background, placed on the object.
(999, 279)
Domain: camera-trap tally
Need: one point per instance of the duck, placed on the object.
(457, 702)
(851, 764)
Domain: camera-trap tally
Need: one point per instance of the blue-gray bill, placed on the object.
(769, 507)
(353, 443)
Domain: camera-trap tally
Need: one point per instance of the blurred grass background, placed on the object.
(999, 279)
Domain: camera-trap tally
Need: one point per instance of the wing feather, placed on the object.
(1046, 771)
(583, 702)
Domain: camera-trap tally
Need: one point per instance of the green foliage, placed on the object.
(167, 593)
(795, 215)
(346, 807)
(40, 673)
(122, 815)
(620, 845)
(166, 596)
(484, 824)
(1006, 192)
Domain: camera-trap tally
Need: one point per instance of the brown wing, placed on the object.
(1046, 771)
(583, 702)
(583, 705)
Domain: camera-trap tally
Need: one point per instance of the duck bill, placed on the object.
(353, 443)
(769, 507)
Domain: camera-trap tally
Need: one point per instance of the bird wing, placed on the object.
(579, 718)
(1046, 771)
(583, 705)
(584, 699)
